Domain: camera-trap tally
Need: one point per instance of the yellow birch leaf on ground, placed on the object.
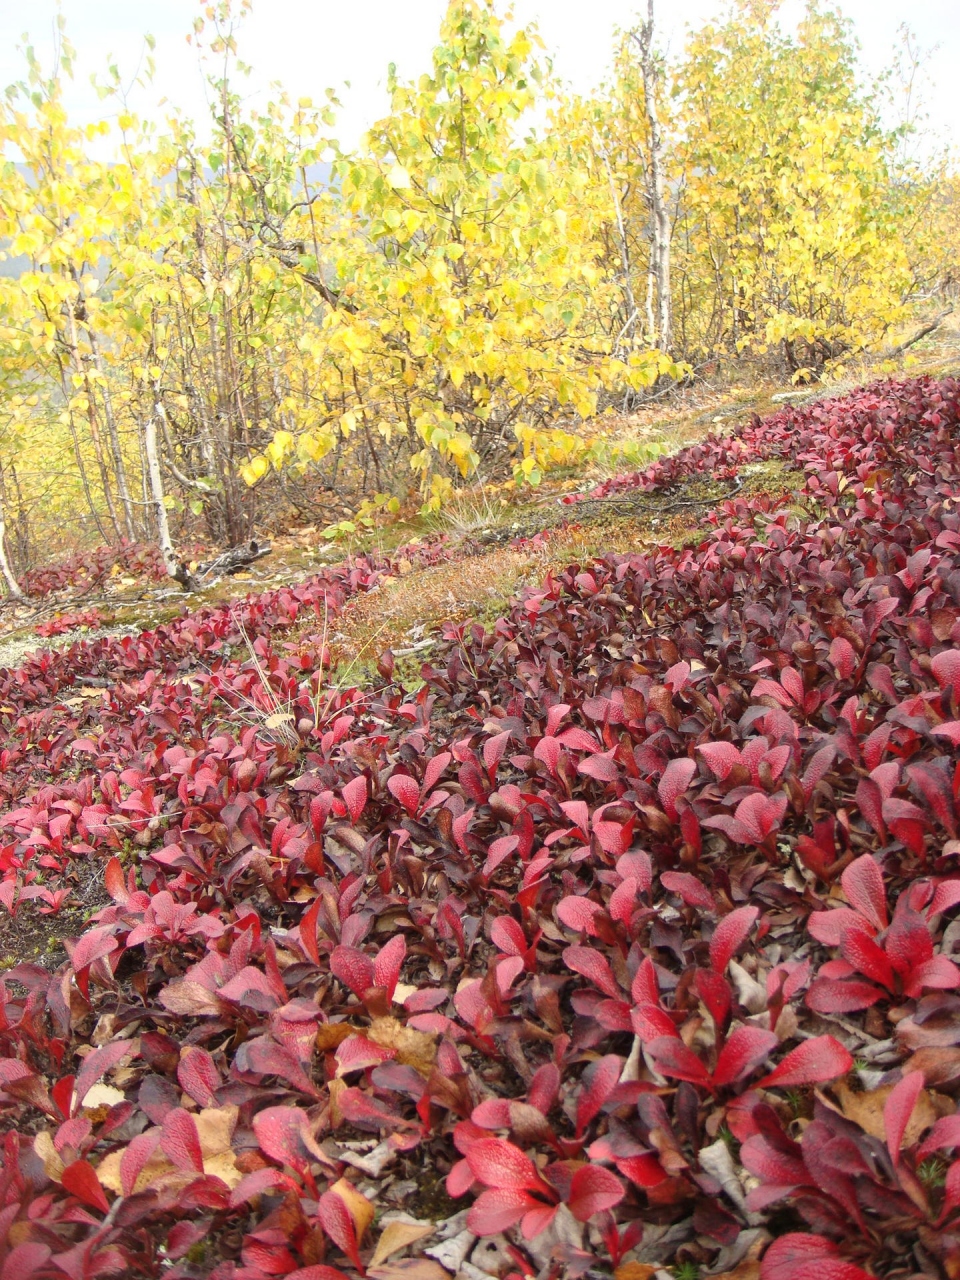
(358, 1206)
(397, 1235)
(47, 1152)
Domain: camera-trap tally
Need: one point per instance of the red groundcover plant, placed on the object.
(635, 926)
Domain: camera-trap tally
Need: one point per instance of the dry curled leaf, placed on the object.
(330, 1035)
(413, 1048)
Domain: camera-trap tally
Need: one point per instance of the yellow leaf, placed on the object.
(358, 1206)
(398, 178)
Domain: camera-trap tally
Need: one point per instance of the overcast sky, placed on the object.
(310, 45)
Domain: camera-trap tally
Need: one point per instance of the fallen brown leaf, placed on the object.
(332, 1034)
(634, 1271)
(409, 1269)
(866, 1110)
(397, 1235)
(413, 1048)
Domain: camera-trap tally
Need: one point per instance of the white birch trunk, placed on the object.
(13, 586)
(172, 562)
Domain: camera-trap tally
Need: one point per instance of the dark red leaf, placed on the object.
(799, 1256)
(812, 1062)
(80, 1179)
(593, 1189)
(898, 1109)
(497, 1163)
(745, 1049)
(499, 1209)
(729, 934)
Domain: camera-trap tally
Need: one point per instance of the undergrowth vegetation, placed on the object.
(635, 923)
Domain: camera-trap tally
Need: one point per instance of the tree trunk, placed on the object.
(172, 562)
(119, 466)
(628, 298)
(13, 586)
(81, 371)
(659, 210)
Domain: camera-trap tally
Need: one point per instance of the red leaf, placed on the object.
(256, 1183)
(593, 1189)
(691, 890)
(944, 1135)
(744, 1051)
(729, 934)
(908, 944)
(80, 1179)
(507, 934)
(97, 1064)
(946, 668)
(860, 950)
(499, 1209)
(180, 1141)
(25, 1261)
(198, 1075)
(435, 767)
(403, 788)
(862, 883)
(354, 969)
(544, 1087)
(337, 1222)
(676, 779)
(939, 973)
(357, 1053)
(843, 657)
(772, 1164)
(945, 896)
(284, 1135)
(644, 1171)
(799, 1256)
(714, 990)
(828, 927)
(649, 1022)
(355, 797)
(951, 730)
(671, 1057)
(135, 1157)
(898, 1109)
(599, 1083)
(645, 989)
(498, 1163)
(388, 963)
(91, 947)
(594, 966)
(318, 1271)
(722, 757)
(580, 914)
(813, 1062)
(600, 767)
(832, 995)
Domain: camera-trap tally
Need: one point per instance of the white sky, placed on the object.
(309, 45)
